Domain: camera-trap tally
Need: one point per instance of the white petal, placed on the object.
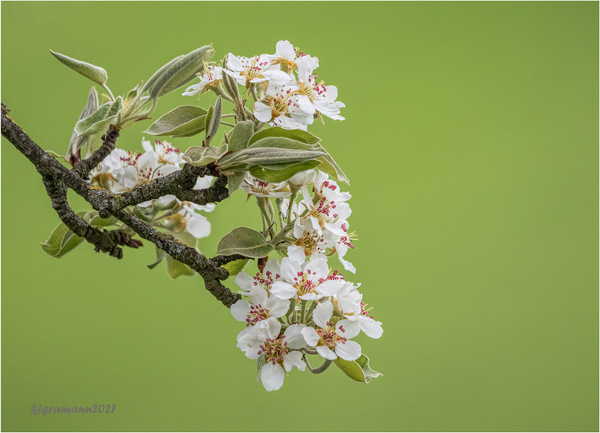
(277, 307)
(244, 281)
(283, 290)
(370, 327)
(240, 310)
(350, 350)
(296, 253)
(351, 328)
(310, 336)
(329, 287)
(289, 269)
(293, 359)
(259, 295)
(322, 313)
(271, 376)
(262, 112)
(294, 337)
(327, 353)
(285, 49)
(198, 226)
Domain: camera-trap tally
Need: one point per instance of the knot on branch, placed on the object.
(109, 241)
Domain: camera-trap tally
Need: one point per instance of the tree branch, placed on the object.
(57, 179)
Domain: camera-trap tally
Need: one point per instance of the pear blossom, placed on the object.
(260, 188)
(280, 356)
(209, 80)
(349, 303)
(253, 70)
(264, 279)
(307, 281)
(329, 340)
(283, 107)
(262, 307)
(288, 59)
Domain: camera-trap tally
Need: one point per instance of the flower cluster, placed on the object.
(287, 93)
(123, 170)
(298, 305)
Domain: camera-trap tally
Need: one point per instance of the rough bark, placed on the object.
(57, 179)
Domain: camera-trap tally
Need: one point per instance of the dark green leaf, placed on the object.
(281, 142)
(270, 174)
(234, 182)
(246, 158)
(293, 134)
(176, 269)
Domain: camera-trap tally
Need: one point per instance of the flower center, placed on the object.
(256, 314)
(329, 337)
(274, 350)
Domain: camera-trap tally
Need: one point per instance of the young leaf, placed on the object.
(100, 120)
(61, 241)
(244, 241)
(234, 182)
(240, 135)
(77, 142)
(178, 72)
(94, 73)
(213, 119)
(235, 267)
(183, 121)
(293, 134)
(199, 155)
(160, 255)
(270, 174)
(176, 269)
(358, 370)
(329, 166)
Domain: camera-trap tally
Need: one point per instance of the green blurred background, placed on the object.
(471, 140)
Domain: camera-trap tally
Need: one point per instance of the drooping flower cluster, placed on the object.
(122, 171)
(287, 93)
(298, 305)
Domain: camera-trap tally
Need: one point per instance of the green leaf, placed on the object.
(244, 241)
(77, 142)
(293, 134)
(177, 72)
(213, 119)
(105, 115)
(199, 155)
(176, 269)
(183, 121)
(160, 255)
(61, 241)
(358, 370)
(234, 182)
(259, 365)
(240, 135)
(329, 166)
(246, 158)
(94, 73)
(235, 267)
(270, 174)
(282, 143)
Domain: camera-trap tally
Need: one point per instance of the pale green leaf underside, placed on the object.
(244, 241)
